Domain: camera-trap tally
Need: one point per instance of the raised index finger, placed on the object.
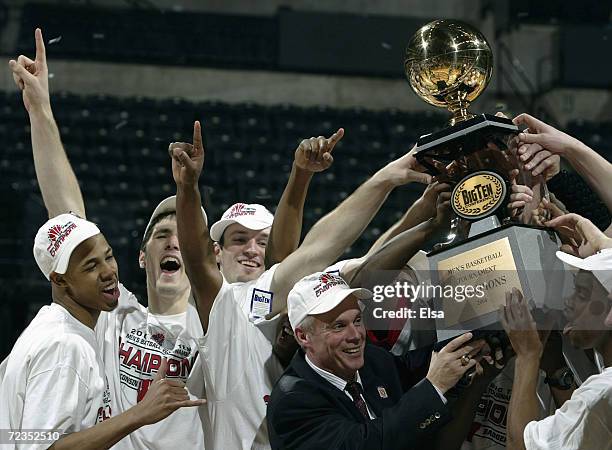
(41, 53)
(333, 140)
(197, 137)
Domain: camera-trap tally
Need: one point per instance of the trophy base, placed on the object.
(511, 256)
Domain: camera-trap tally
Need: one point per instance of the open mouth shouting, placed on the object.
(170, 265)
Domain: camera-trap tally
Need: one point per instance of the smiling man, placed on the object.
(340, 392)
(237, 345)
(55, 378)
(133, 340)
(241, 238)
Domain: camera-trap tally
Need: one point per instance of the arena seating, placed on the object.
(118, 148)
(154, 36)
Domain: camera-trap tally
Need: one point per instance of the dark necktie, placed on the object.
(354, 389)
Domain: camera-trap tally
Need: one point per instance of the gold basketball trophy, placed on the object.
(449, 64)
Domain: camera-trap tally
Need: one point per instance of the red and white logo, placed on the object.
(159, 338)
(57, 234)
(324, 278)
(240, 209)
(328, 281)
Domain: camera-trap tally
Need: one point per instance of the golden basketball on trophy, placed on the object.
(449, 64)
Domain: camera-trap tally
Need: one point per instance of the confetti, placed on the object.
(98, 35)
(51, 75)
(121, 124)
(55, 40)
(385, 45)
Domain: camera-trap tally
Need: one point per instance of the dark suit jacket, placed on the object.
(306, 412)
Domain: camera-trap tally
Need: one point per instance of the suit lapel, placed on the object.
(301, 367)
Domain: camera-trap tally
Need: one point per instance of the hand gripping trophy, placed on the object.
(449, 64)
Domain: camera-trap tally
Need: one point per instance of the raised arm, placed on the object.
(194, 239)
(544, 141)
(382, 266)
(162, 399)
(420, 211)
(312, 155)
(333, 233)
(56, 179)
(521, 329)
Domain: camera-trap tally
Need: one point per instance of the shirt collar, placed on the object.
(334, 380)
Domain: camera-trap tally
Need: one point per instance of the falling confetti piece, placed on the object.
(121, 124)
(98, 35)
(55, 40)
(51, 75)
(385, 45)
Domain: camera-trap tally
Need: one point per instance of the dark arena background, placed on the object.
(129, 77)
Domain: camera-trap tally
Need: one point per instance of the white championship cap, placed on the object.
(56, 240)
(251, 216)
(600, 264)
(317, 294)
(167, 205)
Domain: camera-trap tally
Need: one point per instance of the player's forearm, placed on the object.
(383, 265)
(523, 407)
(560, 396)
(594, 168)
(332, 234)
(197, 250)
(56, 179)
(411, 218)
(287, 227)
(103, 435)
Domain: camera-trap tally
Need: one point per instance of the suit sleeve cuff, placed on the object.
(442, 397)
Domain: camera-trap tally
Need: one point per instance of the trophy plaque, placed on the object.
(449, 64)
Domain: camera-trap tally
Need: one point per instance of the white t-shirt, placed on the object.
(488, 430)
(239, 366)
(583, 422)
(132, 343)
(54, 377)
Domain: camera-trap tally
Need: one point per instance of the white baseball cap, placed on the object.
(600, 264)
(317, 294)
(167, 205)
(251, 216)
(56, 240)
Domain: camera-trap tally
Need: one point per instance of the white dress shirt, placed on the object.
(340, 383)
